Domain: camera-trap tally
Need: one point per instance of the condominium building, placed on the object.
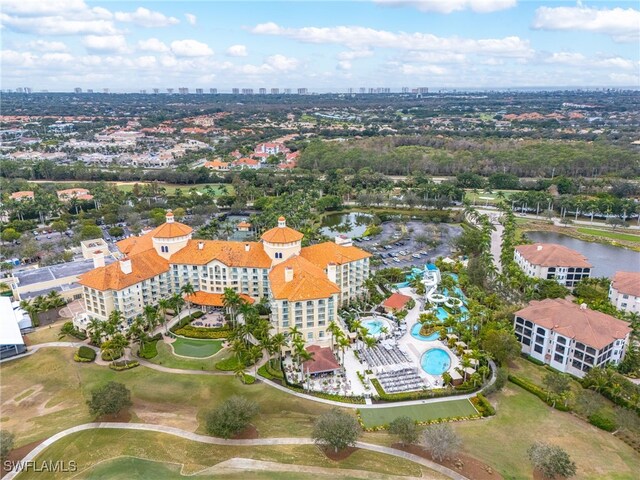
(624, 292)
(305, 286)
(570, 338)
(553, 262)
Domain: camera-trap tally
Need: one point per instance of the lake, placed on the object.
(606, 259)
(351, 224)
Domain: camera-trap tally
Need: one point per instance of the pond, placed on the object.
(606, 259)
(351, 224)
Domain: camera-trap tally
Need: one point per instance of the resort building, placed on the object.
(71, 193)
(553, 262)
(570, 338)
(13, 320)
(305, 286)
(624, 292)
(396, 302)
(20, 196)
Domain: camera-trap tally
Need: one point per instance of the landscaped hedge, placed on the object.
(533, 360)
(197, 314)
(85, 354)
(249, 379)
(537, 391)
(270, 373)
(228, 364)
(119, 366)
(200, 332)
(483, 406)
(602, 421)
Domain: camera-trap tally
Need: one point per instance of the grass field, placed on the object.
(373, 417)
(484, 198)
(166, 358)
(49, 333)
(193, 347)
(89, 448)
(628, 237)
(61, 387)
(502, 441)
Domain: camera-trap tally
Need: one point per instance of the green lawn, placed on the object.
(628, 237)
(90, 448)
(482, 198)
(194, 347)
(60, 388)
(49, 333)
(373, 417)
(502, 441)
(168, 359)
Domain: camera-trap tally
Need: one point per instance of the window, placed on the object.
(278, 254)
(310, 335)
(164, 249)
(538, 348)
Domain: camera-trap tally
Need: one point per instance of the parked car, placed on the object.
(396, 259)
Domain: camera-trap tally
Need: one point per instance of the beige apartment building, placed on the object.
(305, 286)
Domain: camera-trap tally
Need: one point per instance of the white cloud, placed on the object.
(190, 48)
(153, 45)
(146, 18)
(354, 54)
(410, 69)
(11, 58)
(56, 17)
(191, 18)
(581, 61)
(46, 46)
(449, 6)
(623, 25)
(282, 63)
(105, 44)
(344, 65)
(237, 51)
(362, 38)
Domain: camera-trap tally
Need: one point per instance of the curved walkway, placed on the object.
(312, 398)
(33, 454)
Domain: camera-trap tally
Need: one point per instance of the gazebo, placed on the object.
(323, 361)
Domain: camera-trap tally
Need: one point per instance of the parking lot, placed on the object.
(397, 246)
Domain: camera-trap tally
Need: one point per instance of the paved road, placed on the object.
(220, 441)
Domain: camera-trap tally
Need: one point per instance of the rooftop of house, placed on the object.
(282, 234)
(144, 265)
(396, 301)
(593, 328)
(323, 360)
(552, 255)
(232, 254)
(212, 299)
(627, 283)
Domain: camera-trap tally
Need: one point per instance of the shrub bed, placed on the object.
(68, 329)
(110, 356)
(85, 354)
(150, 349)
(270, 373)
(228, 364)
(602, 421)
(483, 406)
(203, 332)
(249, 379)
(119, 366)
(533, 360)
(197, 314)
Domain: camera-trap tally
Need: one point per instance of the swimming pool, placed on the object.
(435, 361)
(374, 326)
(415, 333)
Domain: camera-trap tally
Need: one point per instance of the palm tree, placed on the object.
(163, 305)
(32, 310)
(231, 301)
(369, 341)
(343, 344)
(187, 290)
(150, 316)
(95, 329)
(334, 329)
(238, 371)
(278, 341)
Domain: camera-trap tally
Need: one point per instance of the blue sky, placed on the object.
(325, 46)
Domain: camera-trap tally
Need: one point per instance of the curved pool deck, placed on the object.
(374, 325)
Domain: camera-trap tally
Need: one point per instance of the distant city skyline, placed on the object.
(331, 46)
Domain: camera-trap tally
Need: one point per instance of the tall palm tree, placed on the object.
(187, 290)
(334, 329)
(343, 344)
(95, 330)
(231, 301)
(278, 341)
(163, 305)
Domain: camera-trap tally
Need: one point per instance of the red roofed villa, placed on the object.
(553, 262)
(396, 302)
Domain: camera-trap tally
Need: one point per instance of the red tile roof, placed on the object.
(627, 283)
(309, 282)
(397, 301)
(552, 255)
(323, 360)
(587, 326)
(212, 299)
(282, 235)
(325, 253)
(144, 265)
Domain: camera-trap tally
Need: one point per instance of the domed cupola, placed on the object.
(171, 236)
(281, 242)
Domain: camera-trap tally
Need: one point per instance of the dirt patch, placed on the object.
(123, 416)
(248, 433)
(170, 415)
(464, 464)
(339, 455)
(18, 454)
